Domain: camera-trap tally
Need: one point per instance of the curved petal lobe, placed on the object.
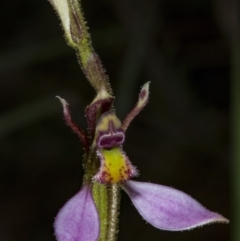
(167, 208)
(78, 219)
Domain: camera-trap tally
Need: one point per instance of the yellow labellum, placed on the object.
(115, 166)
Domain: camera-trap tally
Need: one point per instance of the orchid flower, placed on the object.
(163, 207)
(92, 214)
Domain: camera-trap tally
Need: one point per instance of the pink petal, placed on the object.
(78, 219)
(167, 208)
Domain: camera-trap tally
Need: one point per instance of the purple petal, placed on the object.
(78, 219)
(167, 208)
(142, 101)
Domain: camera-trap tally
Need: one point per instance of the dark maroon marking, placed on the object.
(142, 94)
(106, 105)
(104, 173)
(110, 140)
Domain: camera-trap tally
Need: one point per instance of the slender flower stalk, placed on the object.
(113, 214)
(77, 36)
(92, 214)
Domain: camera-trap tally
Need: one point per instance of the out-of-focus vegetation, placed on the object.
(189, 50)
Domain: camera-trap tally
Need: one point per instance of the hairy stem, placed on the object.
(77, 36)
(107, 200)
(113, 212)
(89, 60)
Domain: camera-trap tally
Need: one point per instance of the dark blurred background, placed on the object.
(181, 139)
